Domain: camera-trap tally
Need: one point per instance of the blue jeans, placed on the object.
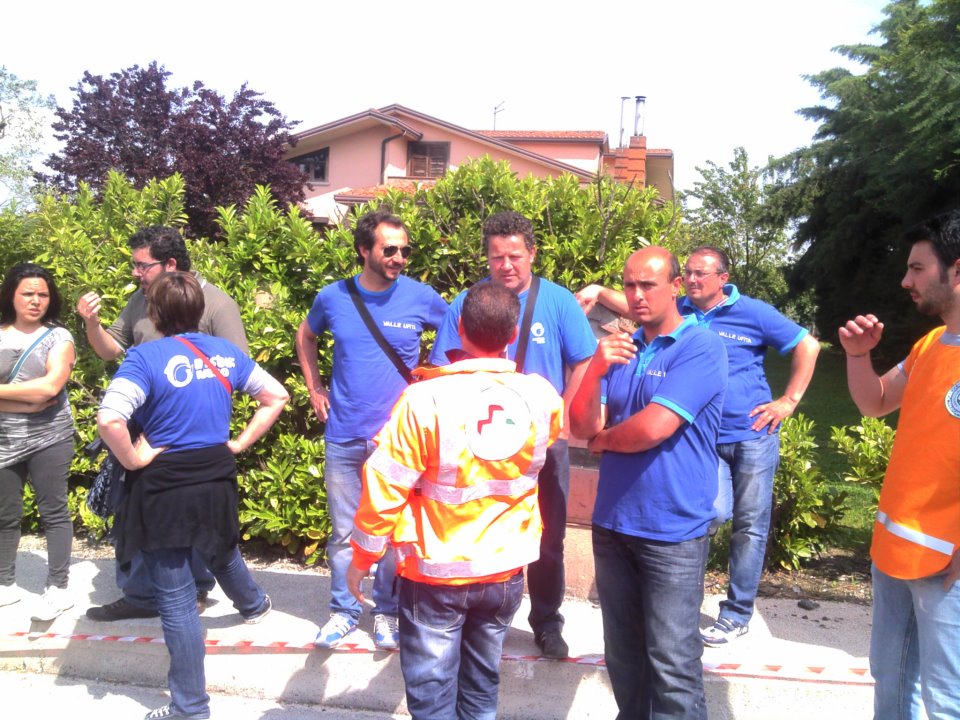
(176, 593)
(545, 577)
(138, 590)
(650, 595)
(915, 648)
(451, 641)
(342, 475)
(746, 493)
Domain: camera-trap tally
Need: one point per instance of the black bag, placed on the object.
(106, 491)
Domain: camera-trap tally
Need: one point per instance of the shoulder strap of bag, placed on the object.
(368, 320)
(206, 361)
(525, 325)
(23, 358)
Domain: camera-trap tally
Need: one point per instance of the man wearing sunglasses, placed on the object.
(559, 345)
(749, 443)
(154, 251)
(364, 387)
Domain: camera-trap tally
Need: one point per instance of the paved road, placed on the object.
(48, 696)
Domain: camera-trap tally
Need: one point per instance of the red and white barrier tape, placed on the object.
(765, 671)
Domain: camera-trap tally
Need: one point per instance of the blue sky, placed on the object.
(716, 75)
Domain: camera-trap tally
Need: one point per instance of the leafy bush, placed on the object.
(272, 262)
(867, 449)
(806, 511)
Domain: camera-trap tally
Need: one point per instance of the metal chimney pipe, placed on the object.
(637, 123)
(623, 99)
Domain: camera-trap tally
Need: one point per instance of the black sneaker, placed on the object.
(552, 645)
(201, 601)
(167, 712)
(119, 610)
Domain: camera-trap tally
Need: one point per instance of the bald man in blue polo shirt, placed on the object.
(650, 404)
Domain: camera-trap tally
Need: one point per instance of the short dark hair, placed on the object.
(723, 260)
(9, 287)
(490, 313)
(176, 303)
(943, 233)
(505, 224)
(363, 232)
(164, 243)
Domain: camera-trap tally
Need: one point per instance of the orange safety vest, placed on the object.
(453, 481)
(918, 520)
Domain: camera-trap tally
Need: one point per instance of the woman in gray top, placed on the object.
(36, 428)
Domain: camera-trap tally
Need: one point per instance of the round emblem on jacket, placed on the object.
(952, 400)
(498, 423)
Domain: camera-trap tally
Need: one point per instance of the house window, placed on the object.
(314, 164)
(427, 159)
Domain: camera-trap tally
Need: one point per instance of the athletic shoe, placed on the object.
(9, 594)
(120, 610)
(722, 632)
(260, 613)
(335, 630)
(552, 645)
(52, 604)
(167, 712)
(201, 601)
(386, 632)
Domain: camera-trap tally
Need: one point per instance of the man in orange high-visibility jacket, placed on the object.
(915, 646)
(452, 486)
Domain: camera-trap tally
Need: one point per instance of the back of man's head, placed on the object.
(366, 227)
(943, 233)
(505, 224)
(489, 315)
(164, 243)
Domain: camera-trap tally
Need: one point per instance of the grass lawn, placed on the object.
(827, 402)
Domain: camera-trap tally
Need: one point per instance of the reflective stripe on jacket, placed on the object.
(918, 522)
(453, 481)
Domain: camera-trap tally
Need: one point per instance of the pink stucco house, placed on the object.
(348, 160)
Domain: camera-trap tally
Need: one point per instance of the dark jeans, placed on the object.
(138, 590)
(545, 577)
(650, 596)
(47, 471)
(176, 593)
(451, 640)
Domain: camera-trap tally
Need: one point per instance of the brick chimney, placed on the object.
(630, 163)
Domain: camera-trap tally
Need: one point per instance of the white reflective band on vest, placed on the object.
(449, 495)
(915, 536)
(500, 563)
(370, 543)
(394, 471)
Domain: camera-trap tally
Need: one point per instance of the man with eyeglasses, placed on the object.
(558, 345)
(365, 385)
(154, 250)
(749, 443)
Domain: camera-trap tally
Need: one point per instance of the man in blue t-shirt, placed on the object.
(651, 404)
(365, 385)
(749, 445)
(558, 346)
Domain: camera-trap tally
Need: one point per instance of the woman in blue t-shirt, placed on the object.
(36, 428)
(181, 486)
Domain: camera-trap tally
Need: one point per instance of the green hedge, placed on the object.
(272, 261)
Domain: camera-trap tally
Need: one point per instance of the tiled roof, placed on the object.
(363, 194)
(591, 135)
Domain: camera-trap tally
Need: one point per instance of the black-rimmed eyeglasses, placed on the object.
(142, 267)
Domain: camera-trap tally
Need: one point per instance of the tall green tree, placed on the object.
(733, 216)
(886, 155)
(23, 112)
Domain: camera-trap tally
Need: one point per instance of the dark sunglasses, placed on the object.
(391, 250)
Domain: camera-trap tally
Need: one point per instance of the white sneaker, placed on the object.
(52, 604)
(9, 594)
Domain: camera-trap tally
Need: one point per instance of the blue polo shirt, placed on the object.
(665, 493)
(365, 384)
(560, 334)
(747, 327)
